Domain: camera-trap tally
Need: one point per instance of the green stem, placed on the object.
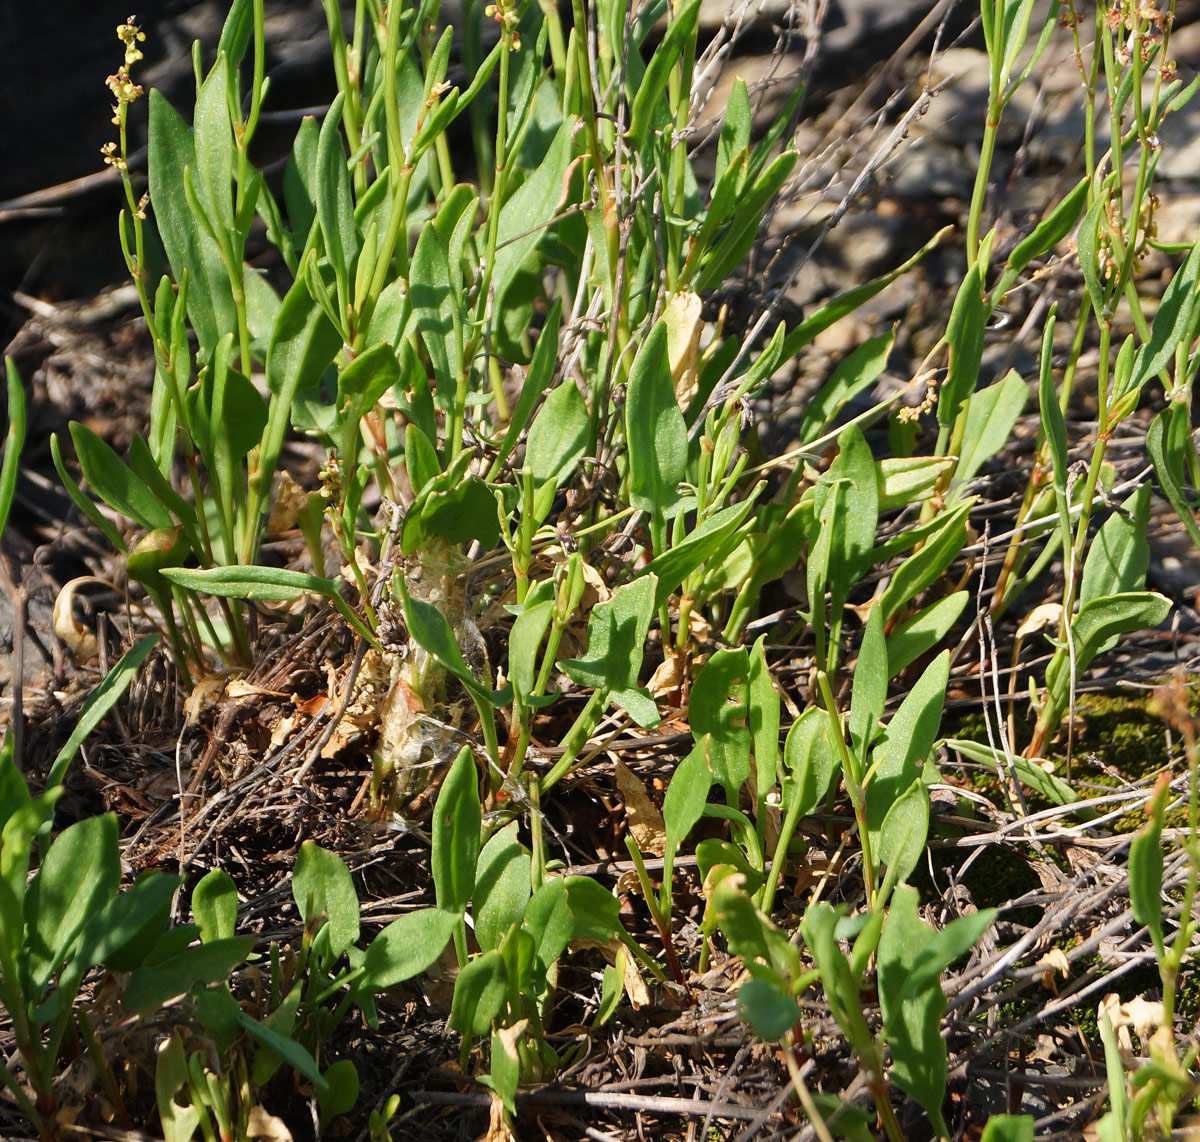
(853, 777)
(576, 738)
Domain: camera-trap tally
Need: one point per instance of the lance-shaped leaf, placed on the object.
(912, 957)
(655, 431)
(719, 708)
(457, 818)
(617, 632)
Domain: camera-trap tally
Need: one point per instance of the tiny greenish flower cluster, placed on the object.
(124, 91)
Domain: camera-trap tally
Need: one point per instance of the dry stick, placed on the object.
(1073, 903)
(645, 1103)
(987, 638)
(765, 1115)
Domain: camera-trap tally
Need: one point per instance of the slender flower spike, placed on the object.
(130, 35)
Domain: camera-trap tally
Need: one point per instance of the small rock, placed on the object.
(929, 169)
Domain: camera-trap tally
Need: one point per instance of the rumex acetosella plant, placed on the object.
(504, 346)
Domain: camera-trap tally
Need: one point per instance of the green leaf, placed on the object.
(991, 415)
(1174, 321)
(429, 627)
(684, 801)
(903, 834)
(214, 152)
(904, 480)
(190, 249)
(680, 35)
(150, 987)
(712, 852)
(360, 386)
(735, 127)
(98, 704)
(928, 562)
(479, 994)
(113, 481)
(295, 1054)
(897, 760)
(265, 583)
(1119, 556)
(764, 719)
(178, 1121)
(1146, 870)
(335, 204)
(745, 928)
(869, 691)
(322, 886)
(617, 630)
(541, 370)
(218, 1013)
(122, 933)
(860, 368)
(1045, 235)
(420, 458)
(596, 911)
(848, 301)
(80, 874)
(1029, 772)
(912, 1015)
(735, 243)
(303, 344)
(502, 886)
(226, 413)
(810, 762)
(718, 708)
(457, 820)
(464, 511)
(769, 1009)
(14, 792)
(921, 633)
(527, 213)
(1168, 442)
(655, 431)
(437, 312)
(406, 947)
(557, 440)
(1008, 1128)
(548, 919)
(964, 334)
(143, 466)
(524, 641)
(853, 540)
(341, 1090)
(214, 906)
(706, 544)
(14, 441)
(1100, 620)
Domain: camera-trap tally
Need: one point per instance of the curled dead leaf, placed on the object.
(289, 503)
(1054, 961)
(1041, 617)
(261, 1124)
(67, 628)
(205, 693)
(668, 675)
(498, 1129)
(645, 821)
(682, 319)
